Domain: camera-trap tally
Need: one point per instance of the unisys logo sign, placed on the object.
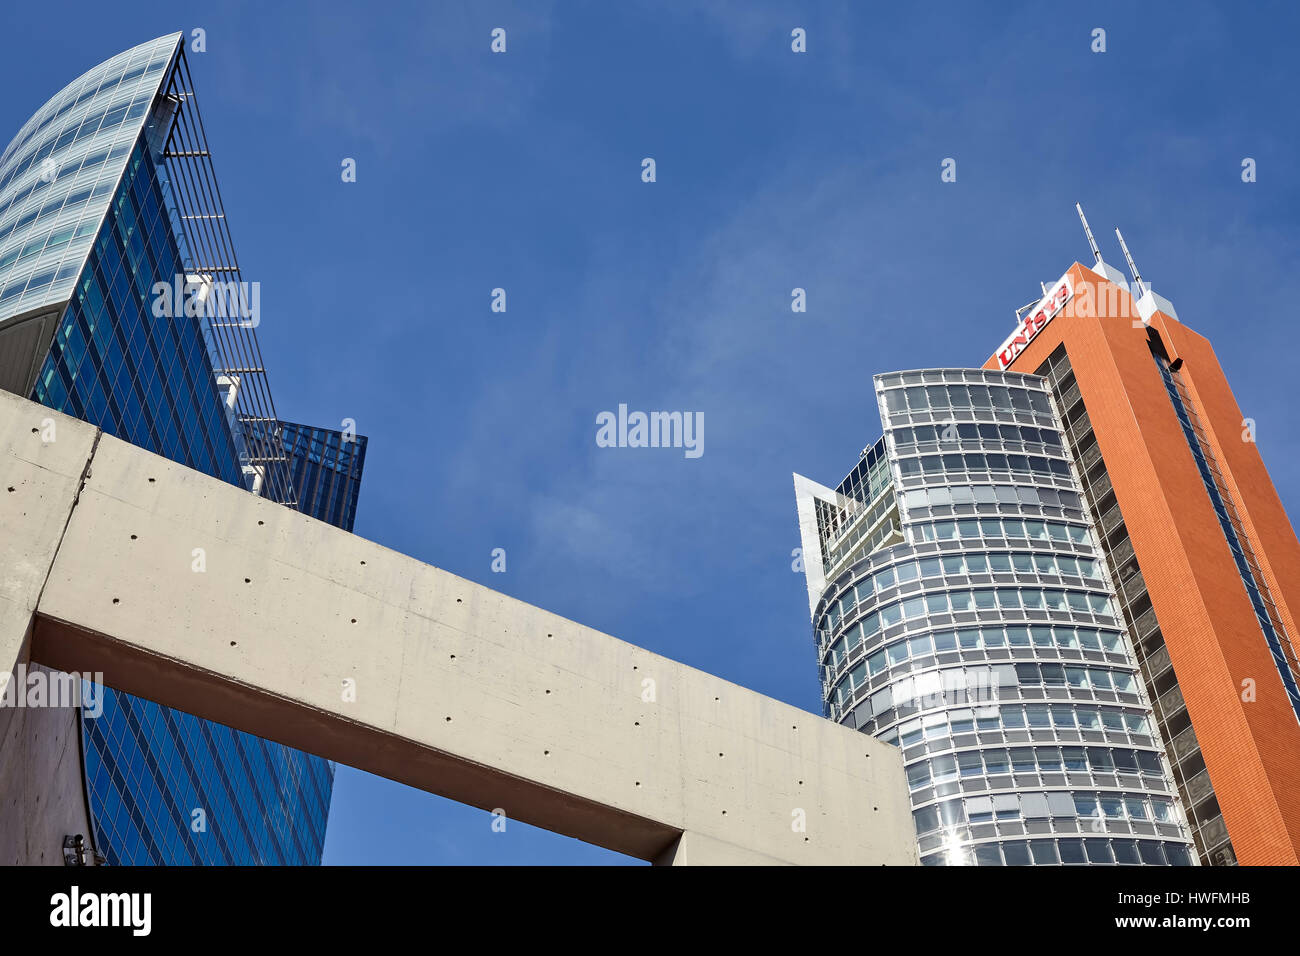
(1036, 321)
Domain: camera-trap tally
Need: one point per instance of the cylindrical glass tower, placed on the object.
(961, 613)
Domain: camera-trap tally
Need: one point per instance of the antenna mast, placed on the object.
(1132, 266)
(1091, 241)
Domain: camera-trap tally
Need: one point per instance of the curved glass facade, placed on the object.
(983, 641)
(145, 379)
(59, 172)
(92, 218)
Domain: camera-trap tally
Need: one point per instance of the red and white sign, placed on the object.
(1036, 321)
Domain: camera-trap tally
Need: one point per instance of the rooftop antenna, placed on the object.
(1091, 241)
(1132, 266)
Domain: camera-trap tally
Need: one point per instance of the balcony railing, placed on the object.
(1121, 553)
(1184, 745)
(1171, 702)
(1133, 587)
(1080, 429)
(1100, 487)
(1146, 622)
(1199, 787)
(1111, 520)
(1158, 662)
(1090, 456)
(1213, 832)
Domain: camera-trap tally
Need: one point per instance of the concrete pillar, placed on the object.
(42, 791)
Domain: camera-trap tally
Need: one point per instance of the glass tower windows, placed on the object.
(86, 229)
(985, 644)
(1279, 644)
(66, 157)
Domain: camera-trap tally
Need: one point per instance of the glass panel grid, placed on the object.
(986, 644)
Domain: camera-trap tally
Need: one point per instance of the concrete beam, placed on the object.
(193, 593)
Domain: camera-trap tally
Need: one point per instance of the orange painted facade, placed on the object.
(1251, 748)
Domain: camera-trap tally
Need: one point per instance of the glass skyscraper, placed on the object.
(961, 612)
(107, 200)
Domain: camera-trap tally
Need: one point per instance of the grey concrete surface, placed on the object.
(198, 595)
(42, 792)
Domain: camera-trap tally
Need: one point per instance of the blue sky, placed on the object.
(775, 170)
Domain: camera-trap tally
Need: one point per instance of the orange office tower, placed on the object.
(1203, 558)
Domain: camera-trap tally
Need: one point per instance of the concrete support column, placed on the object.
(42, 791)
